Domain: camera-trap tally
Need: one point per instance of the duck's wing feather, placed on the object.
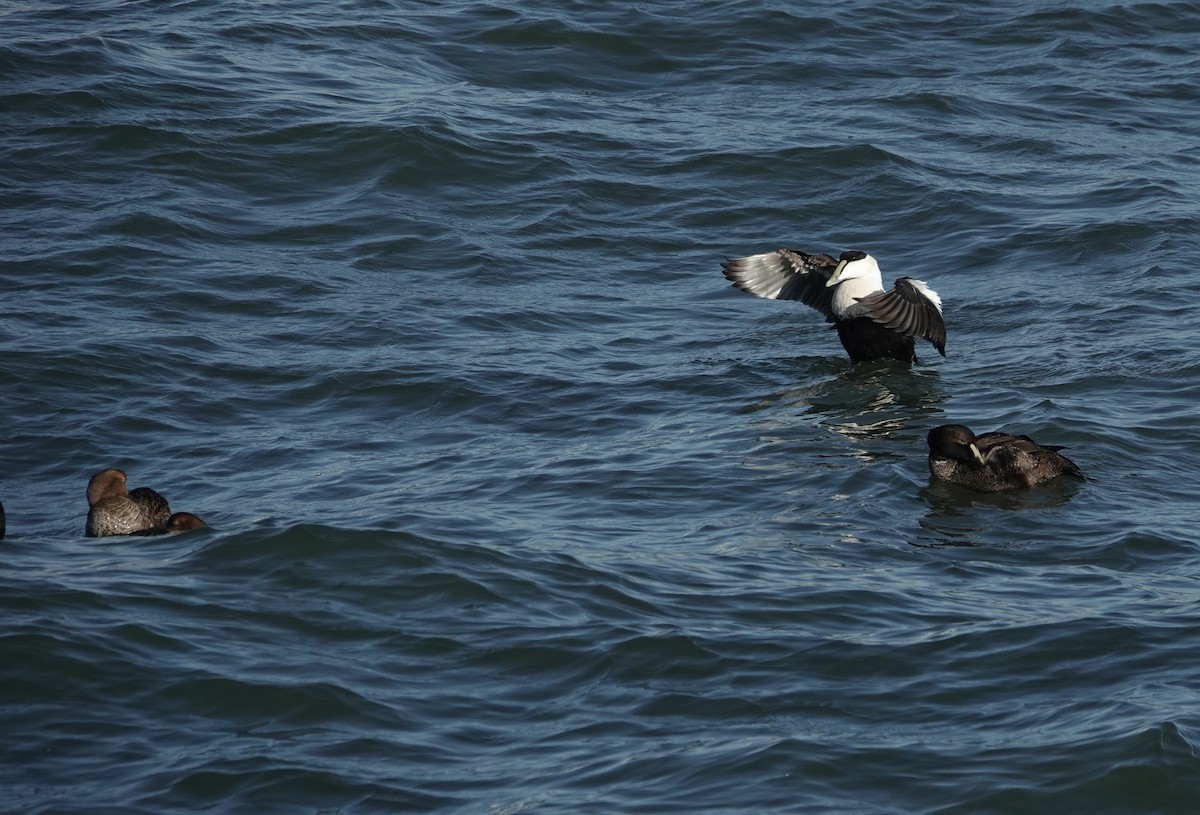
(153, 506)
(785, 274)
(1021, 456)
(986, 441)
(910, 308)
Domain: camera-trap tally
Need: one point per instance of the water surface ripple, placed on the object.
(515, 505)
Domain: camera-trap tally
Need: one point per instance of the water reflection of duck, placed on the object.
(992, 462)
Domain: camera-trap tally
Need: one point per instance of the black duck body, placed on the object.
(995, 461)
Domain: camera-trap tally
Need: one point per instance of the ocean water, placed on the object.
(515, 505)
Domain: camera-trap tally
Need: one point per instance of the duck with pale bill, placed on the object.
(991, 462)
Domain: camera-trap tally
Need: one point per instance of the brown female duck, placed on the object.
(116, 510)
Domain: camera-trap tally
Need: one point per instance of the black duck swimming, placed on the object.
(992, 462)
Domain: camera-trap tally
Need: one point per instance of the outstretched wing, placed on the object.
(785, 274)
(911, 308)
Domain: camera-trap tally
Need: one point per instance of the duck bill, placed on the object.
(978, 455)
(837, 273)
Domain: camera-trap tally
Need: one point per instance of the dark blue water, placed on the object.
(515, 505)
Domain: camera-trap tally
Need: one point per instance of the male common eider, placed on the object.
(994, 461)
(178, 522)
(872, 324)
(116, 511)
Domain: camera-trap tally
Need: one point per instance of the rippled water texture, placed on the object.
(515, 505)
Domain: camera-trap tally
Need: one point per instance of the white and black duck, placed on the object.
(872, 324)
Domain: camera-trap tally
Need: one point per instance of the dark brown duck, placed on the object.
(992, 462)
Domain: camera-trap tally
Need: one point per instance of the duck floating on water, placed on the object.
(115, 510)
(872, 324)
(992, 462)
